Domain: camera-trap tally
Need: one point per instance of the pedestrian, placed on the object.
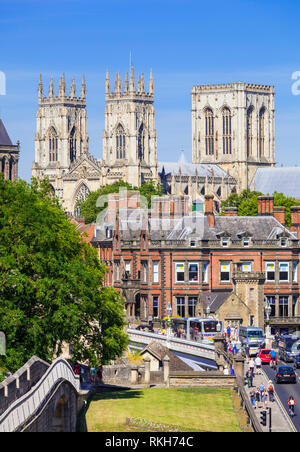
(258, 365)
(271, 391)
(291, 403)
(277, 336)
(257, 397)
(252, 398)
(273, 358)
(228, 332)
(249, 378)
(232, 371)
(247, 351)
(261, 389)
(264, 398)
(251, 366)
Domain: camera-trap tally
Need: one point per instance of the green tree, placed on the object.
(89, 210)
(247, 203)
(51, 283)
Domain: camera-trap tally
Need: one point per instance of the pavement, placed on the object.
(281, 421)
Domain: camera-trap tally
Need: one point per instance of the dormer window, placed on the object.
(193, 243)
(283, 241)
(225, 242)
(246, 242)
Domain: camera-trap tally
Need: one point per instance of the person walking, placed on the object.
(271, 391)
(273, 359)
(257, 397)
(261, 390)
(249, 378)
(264, 398)
(247, 351)
(251, 366)
(252, 398)
(291, 403)
(258, 365)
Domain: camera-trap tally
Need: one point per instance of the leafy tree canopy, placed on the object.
(51, 283)
(90, 211)
(247, 203)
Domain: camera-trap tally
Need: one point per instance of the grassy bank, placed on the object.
(188, 409)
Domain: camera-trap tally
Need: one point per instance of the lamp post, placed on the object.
(268, 329)
(169, 313)
(207, 310)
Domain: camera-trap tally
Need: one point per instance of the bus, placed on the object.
(197, 328)
(251, 334)
(288, 347)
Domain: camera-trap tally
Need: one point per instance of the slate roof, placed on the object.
(214, 299)
(282, 179)
(4, 137)
(160, 351)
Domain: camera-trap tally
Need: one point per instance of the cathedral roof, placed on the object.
(191, 169)
(4, 137)
(282, 179)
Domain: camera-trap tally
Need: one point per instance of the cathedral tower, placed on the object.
(233, 127)
(61, 133)
(129, 137)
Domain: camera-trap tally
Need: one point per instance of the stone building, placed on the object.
(233, 127)
(9, 155)
(172, 256)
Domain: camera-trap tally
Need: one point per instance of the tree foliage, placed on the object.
(247, 203)
(51, 283)
(89, 210)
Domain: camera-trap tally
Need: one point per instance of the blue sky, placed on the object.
(185, 43)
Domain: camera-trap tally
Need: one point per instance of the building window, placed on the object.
(155, 272)
(283, 271)
(193, 243)
(295, 272)
(246, 266)
(270, 271)
(180, 301)
(120, 143)
(225, 271)
(141, 142)
(261, 132)
(272, 303)
(179, 272)
(226, 131)
(251, 294)
(144, 272)
(155, 307)
(192, 306)
(72, 145)
(283, 241)
(117, 271)
(283, 306)
(193, 273)
(205, 272)
(127, 269)
(249, 131)
(225, 242)
(52, 145)
(209, 132)
(246, 242)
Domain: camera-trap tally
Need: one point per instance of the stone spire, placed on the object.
(151, 83)
(126, 84)
(107, 82)
(40, 90)
(73, 89)
(62, 87)
(51, 88)
(132, 82)
(64, 84)
(83, 88)
(142, 83)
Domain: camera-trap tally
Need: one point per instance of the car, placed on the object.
(254, 349)
(265, 355)
(285, 374)
(297, 361)
(146, 328)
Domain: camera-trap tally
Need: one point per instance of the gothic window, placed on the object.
(52, 145)
(141, 143)
(81, 196)
(209, 132)
(249, 131)
(120, 143)
(261, 132)
(226, 131)
(72, 145)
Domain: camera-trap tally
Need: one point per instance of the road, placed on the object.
(285, 390)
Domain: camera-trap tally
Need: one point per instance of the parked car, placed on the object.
(285, 374)
(146, 328)
(265, 356)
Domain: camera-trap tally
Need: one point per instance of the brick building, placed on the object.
(226, 266)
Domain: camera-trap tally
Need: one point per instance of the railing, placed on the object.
(25, 407)
(285, 320)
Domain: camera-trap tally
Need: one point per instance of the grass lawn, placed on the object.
(190, 409)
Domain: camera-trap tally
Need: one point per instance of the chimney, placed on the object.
(230, 211)
(265, 205)
(209, 210)
(295, 220)
(279, 214)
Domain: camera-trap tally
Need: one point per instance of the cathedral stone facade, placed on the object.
(9, 155)
(232, 131)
